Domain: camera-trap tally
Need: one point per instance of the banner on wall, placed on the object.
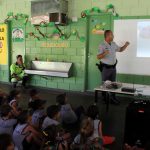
(17, 35)
(3, 44)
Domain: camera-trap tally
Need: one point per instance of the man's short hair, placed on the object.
(18, 56)
(106, 33)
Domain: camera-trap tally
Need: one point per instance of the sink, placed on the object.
(56, 69)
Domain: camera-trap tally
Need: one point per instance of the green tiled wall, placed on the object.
(73, 53)
(4, 74)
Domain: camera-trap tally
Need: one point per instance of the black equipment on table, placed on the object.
(128, 89)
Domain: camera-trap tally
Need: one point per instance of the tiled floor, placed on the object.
(113, 121)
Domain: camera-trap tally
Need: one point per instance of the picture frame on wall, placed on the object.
(17, 35)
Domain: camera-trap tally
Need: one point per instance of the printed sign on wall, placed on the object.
(3, 44)
(55, 45)
(17, 35)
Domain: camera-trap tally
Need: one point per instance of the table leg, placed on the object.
(107, 101)
(96, 96)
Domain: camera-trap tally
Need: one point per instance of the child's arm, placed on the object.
(33, 131)
(15, 109)
(63, 146)
(100, 129)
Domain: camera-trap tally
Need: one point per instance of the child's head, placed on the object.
(6, 142)
(53, 112)
(23, 117)
(50, 134)
(34, 94)
(14, 94)
(61, 99)
(38, 104)
(5, 111)
(86, 129)
(93, 112)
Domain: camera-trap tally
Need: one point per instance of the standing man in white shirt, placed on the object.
(108, 61)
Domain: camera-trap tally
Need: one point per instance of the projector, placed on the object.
(128, 89)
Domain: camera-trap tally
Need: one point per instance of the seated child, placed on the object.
(82, 140)
(53, 116)
(67, 115)
(7, 123)
(24, 135)
(6, 142)
(93, 113)
(34, 95)
(54, 139)
(38, 113)
(14, 98)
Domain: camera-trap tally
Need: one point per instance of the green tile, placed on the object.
(41, 83)
(6, 73)
(32, 82)
(70, 80)
(46, 51)
(4, 67)
(64, 58)
(52, 84)
(121, 78)
(130, 79)
(146, 80)
(80, 51)
(39, 43)
(70, 51)
(44, 79)
(30, 44)
(64, 86)
(80, 80)
(35, 77)
(77, 87)
(35, 50)
(77, 59)
(138, 79)
(28, 51)
(58, 79)
(52, 57)
(57, 51)
(77, 44)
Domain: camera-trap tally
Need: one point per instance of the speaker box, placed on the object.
(137, 123)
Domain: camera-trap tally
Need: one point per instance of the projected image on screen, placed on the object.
(143, 39)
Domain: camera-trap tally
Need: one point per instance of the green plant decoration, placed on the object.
(51, 24)
(83, 14)
(96, 9)
(10, 14)
(82, 39)
(33, 34)
(87, 12)
(109, 7)
(63, 37)
(74, 32)
(11, 17)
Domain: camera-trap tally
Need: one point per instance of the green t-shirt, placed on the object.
(17, 69)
